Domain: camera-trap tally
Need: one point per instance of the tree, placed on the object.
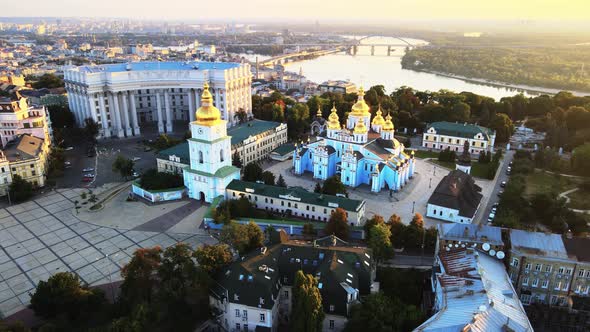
(212, 258)
(241, 115)
(309, 230)
(503, 126)
(61, 116)
(380, 313)
(580, 159)
(139, 277)
(90, 130)
(333, 186)
(123, 165)
(308, 313)
(255, 235)
(281, 181)
(62, 294)
(252, 172)
(268, 178)
(338, 224)
(20, 189)
(461, 112)
(373, 221)
(242, 237)
(236, 160)
(48, 81)
(318, 188)
(380, 242)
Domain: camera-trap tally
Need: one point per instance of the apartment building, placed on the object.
(442, 135)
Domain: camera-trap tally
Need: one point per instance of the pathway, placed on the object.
(567, 200)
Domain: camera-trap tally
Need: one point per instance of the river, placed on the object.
(367, 70)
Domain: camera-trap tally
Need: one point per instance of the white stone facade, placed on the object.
(447, 214)
(123, 97)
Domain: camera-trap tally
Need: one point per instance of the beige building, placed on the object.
(579, 249)
(17, 118)
(540, 268)
(27, 156)
(452, 135)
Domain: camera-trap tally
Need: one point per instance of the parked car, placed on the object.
(87, 179)
(69, 148)
(494, 209)
(510, 164)
(500, 193)
(135, 159)
(88, 169)
(135, 174)
(67, 163)
(503, 184)
(491, 217)
(89, 175)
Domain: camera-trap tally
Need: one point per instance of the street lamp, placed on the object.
(430, 183)
(413, 206)
(434, 172)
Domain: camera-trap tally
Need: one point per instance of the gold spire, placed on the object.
(319, 113)
(360, 127)
(361, 108)
(207, 114)
(333, 119)
(378, 119)
(388, 124)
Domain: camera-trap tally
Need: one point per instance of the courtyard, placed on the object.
(46, 235)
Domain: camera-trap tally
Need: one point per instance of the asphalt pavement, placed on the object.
(502, 176)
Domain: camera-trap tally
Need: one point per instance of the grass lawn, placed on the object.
(480, 170)
(445, 164)
(424, 154)
(579, 199)
(541, 182)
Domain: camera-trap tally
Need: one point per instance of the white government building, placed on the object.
(123, 97)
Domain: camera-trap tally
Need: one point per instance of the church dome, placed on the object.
(378, 119)
(333, 119)
(361, 107)
(360, 128)
(388, 124)
(207, 114)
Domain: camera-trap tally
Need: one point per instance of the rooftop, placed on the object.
(465, 130)
(158, 65)
(578, 247)
(457, 190)
(476, 295)
(23, 147)
(254, 127)
(296, 194)
(471, 233)
(284, 149)
(538, 244)
(180, 150)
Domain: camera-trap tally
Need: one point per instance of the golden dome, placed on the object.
(207, 114)
(360, 108)
(388, 124)
(378, 119)
(333, 119)
(360, 128)
(319, 113)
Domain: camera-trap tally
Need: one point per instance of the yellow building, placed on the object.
(27, 157)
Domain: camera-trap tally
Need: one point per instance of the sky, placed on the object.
(366, 11)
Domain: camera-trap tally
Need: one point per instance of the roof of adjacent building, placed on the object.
(158, 65)
(476, 295)
(455, 129)
(256, 279)
(180, 150)
(578, 247)
(296, 194)
(458, 191)
(254, 127)
(471, 233)
(538, 244)
(284, 149)
(23, 147)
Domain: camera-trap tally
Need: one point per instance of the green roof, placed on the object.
(299, 194)
(241, 132)
(220, 173)
(284, 149)
(465, 130)
(181, 150)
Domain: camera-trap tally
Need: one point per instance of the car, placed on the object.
(491, 217)
(135, 174)
(90, 154)
(69, 148)
(87, 179)
(494, 209)
(503, 184)
(136, 158)
(510, 164)
(508, 172)
(67, 163)
(88, 169)
(147, 149)
(89, 175)
(500, 193)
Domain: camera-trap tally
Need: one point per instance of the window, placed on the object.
(514, 260)
(262, 318)
(286, 294)
(581, 273)
(525, 281)
(527, 266)
(568, 271)
(538, 267)
(548, 268)
(245, 327)
(535, 283)
(331, 324)
(200, 157)
(245, 314)
(238, 327)
(237, 312)
(221, 155)
(560, 271)
(566, 285)
(545, 284)
(331, 308)
(558, 285)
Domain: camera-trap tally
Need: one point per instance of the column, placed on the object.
(159, 108)
(116, 114)
(106, 130)
(197, 100)
(92, 106)
(72, 104)
(191, 106)
(125, 99)
(134, 113)
(82, 105)
(217, 104)
(168, 111)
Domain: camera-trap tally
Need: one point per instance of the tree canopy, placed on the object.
(308, 313)
(338, 224)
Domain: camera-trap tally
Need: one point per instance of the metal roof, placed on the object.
(465, 130)
(538, 244)
(470, 232)
(158, 65)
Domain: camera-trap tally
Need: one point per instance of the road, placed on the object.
(482, 216)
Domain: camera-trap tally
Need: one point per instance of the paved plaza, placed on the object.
(45, 236)
(410, 199)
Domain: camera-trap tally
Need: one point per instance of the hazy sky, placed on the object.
(341, 10)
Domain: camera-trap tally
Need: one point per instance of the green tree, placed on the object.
(139, 276)
(136, 322)
(236, 160)
(318, 188)
(338, 224)
(380, 242)
(48, 81)
(308, 313)
(379, 313)
(580, 159)
(212, 258)
(503, 126)
(242, 237)
(281, 181)
(241, 115)
(61, 116)
(123, 166)
(252, 172)
(255, 235)
(62, 294)
(373, 221)
(20, 189)
(309, 230)
(333, 186)
(268, 178)
(461, 112)
(90, 130)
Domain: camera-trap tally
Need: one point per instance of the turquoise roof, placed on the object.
(465, 130)
(284, 149)
(254, 127)
(181, 150)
